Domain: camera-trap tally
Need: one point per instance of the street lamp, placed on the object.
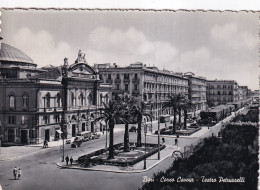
(158, 117)
(145, 131)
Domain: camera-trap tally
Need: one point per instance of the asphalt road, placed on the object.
(39, 170)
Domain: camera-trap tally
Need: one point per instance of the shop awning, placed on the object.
(59, 131)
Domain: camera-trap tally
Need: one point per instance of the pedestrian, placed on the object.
(15, 172)
(46, 144)
(19, 173)
(163, 140)
(176, 142)
(71, 160)
(67, 160)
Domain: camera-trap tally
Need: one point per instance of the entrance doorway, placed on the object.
(47, 134)
(24, 134)
(73, 130)
(10, 135)
(83, 127)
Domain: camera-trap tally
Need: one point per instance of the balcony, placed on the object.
(109, 81)
(117, 91)
(117, 80)
(135, 91)
(126, 80)
(58, 109)
(135, 80)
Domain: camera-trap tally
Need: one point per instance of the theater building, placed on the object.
(33, 107)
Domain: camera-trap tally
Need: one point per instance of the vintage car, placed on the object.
(95, 135)
(132, 129)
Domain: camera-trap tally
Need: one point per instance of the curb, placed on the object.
(116, 171)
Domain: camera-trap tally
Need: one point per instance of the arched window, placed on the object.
(72, 99)
(12, 101)
(25, 101)
(58, 100)
(48, 100)
(81, 99)
(90, 99)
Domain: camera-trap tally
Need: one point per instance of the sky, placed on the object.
(215, 45)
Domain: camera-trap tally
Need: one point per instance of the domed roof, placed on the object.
(10, 53)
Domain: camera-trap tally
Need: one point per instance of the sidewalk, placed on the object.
(151, 162)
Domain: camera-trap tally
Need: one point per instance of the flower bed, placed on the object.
(135, 155)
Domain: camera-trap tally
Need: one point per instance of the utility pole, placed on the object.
(64, 101)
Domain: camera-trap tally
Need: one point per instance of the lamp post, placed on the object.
(145, 131)
(158, 117)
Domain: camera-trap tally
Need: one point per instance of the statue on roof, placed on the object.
(66, 63)
(81, 57)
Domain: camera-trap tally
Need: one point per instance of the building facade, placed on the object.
(148, 84)
(221, 92)
(38, 104)
(197, 91)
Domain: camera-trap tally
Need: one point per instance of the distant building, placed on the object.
(197, 91)
(221, 92)
(149, 84)
(33, 107)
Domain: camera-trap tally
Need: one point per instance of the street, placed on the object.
(39, 171)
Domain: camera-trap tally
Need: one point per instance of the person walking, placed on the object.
(176, 142)
(15, 172)
(19, 173)
(71, 160)
(67, 160)
(163, 140)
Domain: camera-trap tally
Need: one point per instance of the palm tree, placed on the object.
(139, 112)
(174, 102)
(111, 113)
(185, 105)
(127, 102)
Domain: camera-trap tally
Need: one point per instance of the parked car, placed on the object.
(132, 129)
(95, 135)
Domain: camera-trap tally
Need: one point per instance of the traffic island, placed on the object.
(115, 167)
(121, 158)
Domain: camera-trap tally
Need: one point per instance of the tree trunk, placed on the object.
(126, 139)
(180, 117)
(174, 121)
(111, 140)
(185, 119)
(139, 135)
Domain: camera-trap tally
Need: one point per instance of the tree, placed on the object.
(127, 102)
(185, 105)
(111, 112)
(174, 102)
(139, 112)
